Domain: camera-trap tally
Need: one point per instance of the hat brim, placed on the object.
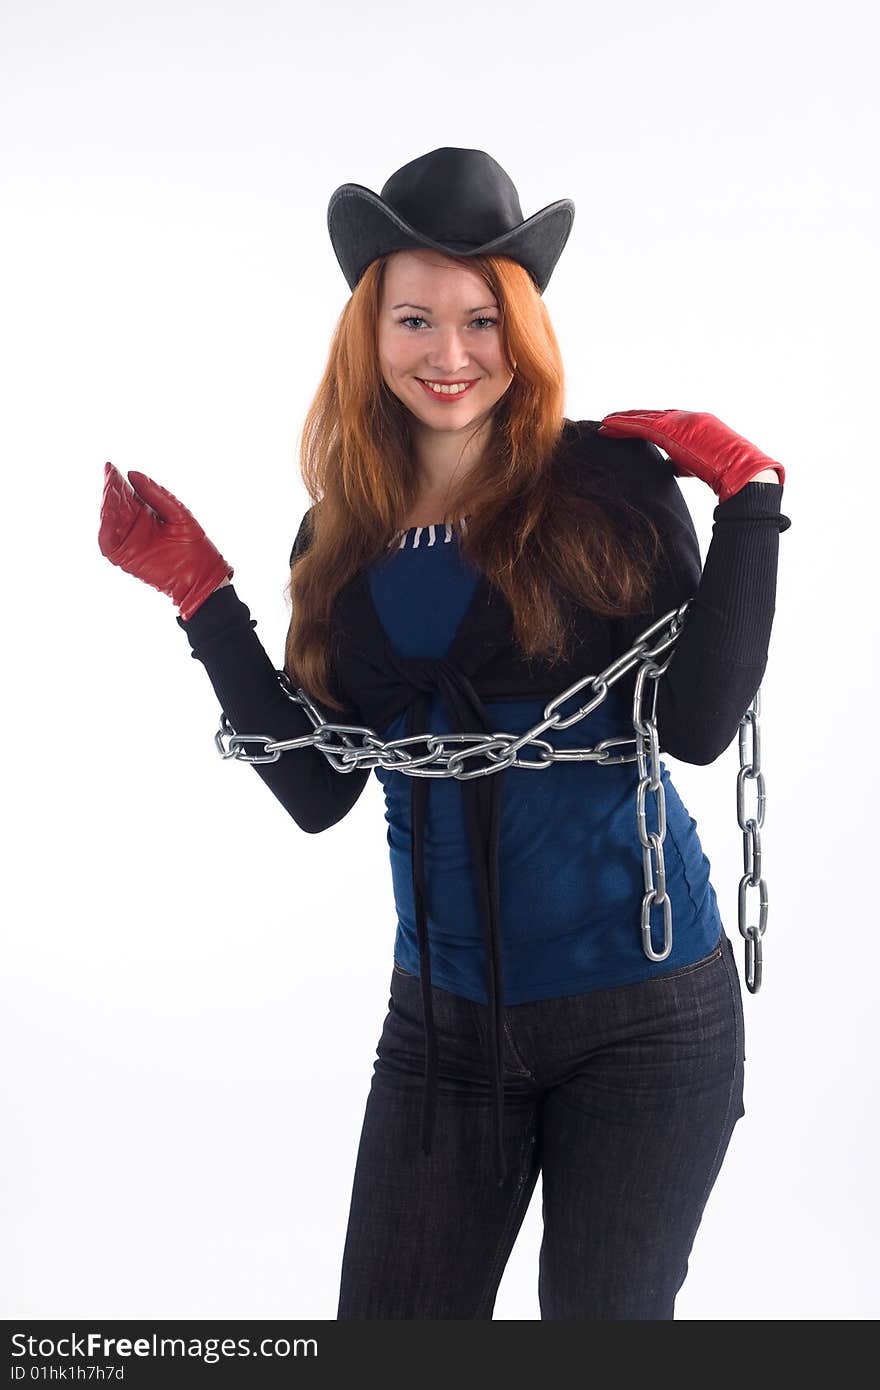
(362, 226)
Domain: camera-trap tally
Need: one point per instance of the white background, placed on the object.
(193, 988)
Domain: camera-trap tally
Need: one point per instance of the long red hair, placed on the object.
(534, 527)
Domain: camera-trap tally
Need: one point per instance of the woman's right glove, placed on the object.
(147, 532)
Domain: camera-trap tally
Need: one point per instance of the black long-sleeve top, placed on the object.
(717, 666)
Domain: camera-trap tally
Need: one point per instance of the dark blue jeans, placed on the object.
(623, 1099)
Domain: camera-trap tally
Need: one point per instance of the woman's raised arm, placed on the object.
(149, 533)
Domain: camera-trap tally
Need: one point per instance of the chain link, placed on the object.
(338, 744)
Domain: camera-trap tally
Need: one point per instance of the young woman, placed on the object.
(470, 554)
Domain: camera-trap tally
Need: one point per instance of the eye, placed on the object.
(417, 318)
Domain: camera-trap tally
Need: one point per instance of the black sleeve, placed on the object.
(719, 659)
(221, 635)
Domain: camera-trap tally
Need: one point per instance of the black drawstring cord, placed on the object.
(416, 724)
(481, 798)
(484, 842)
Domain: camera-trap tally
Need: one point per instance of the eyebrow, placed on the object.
(423, 308)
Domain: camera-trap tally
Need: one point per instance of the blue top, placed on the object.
(570, 860)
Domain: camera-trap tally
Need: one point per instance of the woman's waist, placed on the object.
(611, 718)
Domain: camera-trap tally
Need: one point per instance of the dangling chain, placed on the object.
(337, 743)
(751, 842)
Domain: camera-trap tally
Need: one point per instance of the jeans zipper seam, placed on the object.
(523, 1069)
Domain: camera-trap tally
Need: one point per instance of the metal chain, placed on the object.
(337, 743)
(751, 829)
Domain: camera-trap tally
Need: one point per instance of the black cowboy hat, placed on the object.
(457, 202)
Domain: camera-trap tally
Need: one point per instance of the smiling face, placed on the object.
(439, 322)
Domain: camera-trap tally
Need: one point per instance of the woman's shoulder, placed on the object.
(634, 467)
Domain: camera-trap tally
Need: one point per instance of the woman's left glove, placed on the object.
(700, 446)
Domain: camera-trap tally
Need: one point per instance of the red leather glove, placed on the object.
(150, 534)
(700, 446)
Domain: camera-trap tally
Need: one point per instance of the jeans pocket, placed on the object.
(399, 970)
(694, 965)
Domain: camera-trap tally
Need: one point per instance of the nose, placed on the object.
(449, 354)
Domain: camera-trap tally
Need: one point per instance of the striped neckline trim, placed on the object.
(440, 533)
